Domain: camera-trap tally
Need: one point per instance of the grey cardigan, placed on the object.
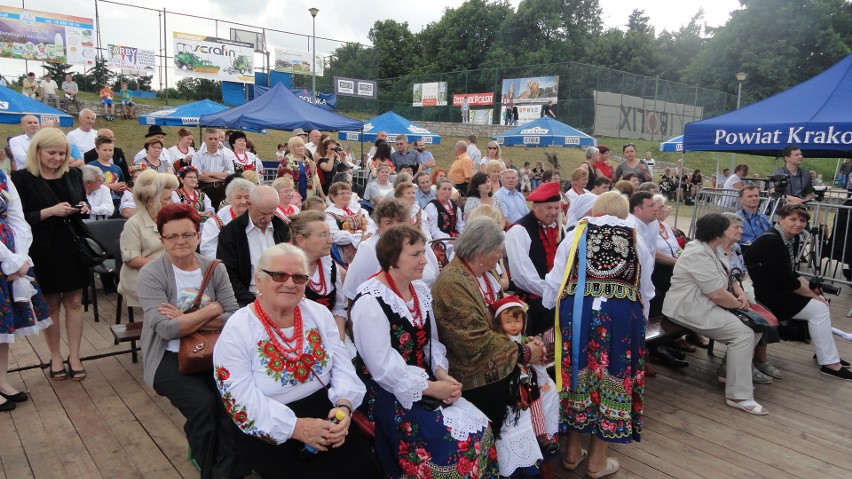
(157, 286)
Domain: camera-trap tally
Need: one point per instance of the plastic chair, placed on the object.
(107, 233)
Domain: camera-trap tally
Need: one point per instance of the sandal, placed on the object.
(768, 369)
(682, 345)
(59, 374)
(698, 340)
(610, 469)
(749, 406)
(568, 466)
(76, 374)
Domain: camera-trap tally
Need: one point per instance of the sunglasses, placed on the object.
(492, 147)
(280, 277)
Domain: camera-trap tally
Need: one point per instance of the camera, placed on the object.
(337, 149)
(818, 283)
(779, 184)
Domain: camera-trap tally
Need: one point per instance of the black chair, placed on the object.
(115, 251)
(107, 232)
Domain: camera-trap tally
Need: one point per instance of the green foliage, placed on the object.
(56, 70)
(199, 89)
(96, 77)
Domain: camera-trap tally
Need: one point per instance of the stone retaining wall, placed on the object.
(95, 106)
(463, 129)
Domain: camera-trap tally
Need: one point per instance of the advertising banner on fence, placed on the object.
(49, 37)
(133, 60)
(482, 117)
(474, 99)
(526, 114)
(356, 88)
(213, 58)
(530, 90)
(430, 94)
(624, 116)
(297, 62)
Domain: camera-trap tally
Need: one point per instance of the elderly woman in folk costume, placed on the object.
(245, 159)
(349, 224)
(190, 194)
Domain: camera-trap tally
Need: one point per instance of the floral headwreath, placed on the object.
(137, 167)
(186, 170)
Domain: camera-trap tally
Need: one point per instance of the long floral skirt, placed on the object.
(608, 398)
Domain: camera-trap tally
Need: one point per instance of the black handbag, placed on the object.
(90, 251)
(757, 323)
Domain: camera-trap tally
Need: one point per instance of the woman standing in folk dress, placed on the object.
(245, 160)
(190, 194)
(600, 341)
(424, 428)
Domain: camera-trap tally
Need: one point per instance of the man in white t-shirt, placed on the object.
(84, 136)
(21, 143)
(735, 181)
(721, 179)
(48, 89)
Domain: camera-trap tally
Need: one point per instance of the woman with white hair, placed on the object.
(97, 194)
(237, 192)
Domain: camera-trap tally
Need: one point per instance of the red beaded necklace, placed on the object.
(191, 198)
(416, 314)
(487, 293)
(278, 338)
(320, 287)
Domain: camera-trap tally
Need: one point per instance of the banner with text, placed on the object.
(526, 114)
(474, 99)
(624, 116)
(49, 37)
(297, 62)
(212, 58)
(530, 90)
(132, 60)
(356, 88)
(430, 94)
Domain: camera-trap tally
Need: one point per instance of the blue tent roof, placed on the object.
(14, 105)
(279, 109)
(183, 115)
(393, 125)
(675, 145)
(813, 115)
(545, 132)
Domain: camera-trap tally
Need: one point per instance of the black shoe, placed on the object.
(841, 373)
(7, 406)
(843, 363)
(663, 356)
(17, 397)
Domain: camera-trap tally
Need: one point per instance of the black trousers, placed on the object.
(216, 192)
(492, 399)
(209, 429)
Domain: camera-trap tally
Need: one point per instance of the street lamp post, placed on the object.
(314, 12)
(741, 77)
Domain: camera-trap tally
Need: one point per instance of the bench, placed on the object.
(130, 332)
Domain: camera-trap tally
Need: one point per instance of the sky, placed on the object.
(344, 20)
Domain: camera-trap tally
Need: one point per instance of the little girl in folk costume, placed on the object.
(537, 391)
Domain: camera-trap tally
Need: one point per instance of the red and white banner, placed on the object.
(474, 99)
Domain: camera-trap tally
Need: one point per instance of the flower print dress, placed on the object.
(399, 354)
(16, 319)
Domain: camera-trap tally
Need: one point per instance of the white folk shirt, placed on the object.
(210, 232)
(524, 274)
(258, 241)
(365, 264)
(101, 204)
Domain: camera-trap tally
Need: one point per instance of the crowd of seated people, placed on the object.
(428, 309)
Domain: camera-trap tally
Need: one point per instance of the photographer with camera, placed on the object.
(771, 262)
(798, 186)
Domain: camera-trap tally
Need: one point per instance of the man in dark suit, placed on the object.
(242, 241)
(117, 155)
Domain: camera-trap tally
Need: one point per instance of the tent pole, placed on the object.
(678, 191)
(836, 171)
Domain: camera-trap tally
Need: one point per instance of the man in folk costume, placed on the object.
(530, 247)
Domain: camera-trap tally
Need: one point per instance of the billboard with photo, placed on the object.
(134, 61)
(297, 62)
(430, 94)
(526, 114)
(200, 56)
(474, 99)
(50, 37)
(530, 90)
(482, 117)
(624, 116)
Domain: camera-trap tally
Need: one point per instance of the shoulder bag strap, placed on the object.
(206, 279)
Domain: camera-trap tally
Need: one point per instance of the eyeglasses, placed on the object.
(325, 235)
(184, 236)
(492, 147)
(281, 277)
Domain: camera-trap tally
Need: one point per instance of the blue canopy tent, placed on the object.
(184, 115)
(14, 105)
(279, 109)
(393, 125)
(813, 115)
(545, 132)
(675, 145)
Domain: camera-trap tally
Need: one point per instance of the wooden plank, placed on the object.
(137, 445)
(12, 454)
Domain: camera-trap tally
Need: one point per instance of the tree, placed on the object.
(97, 76)
(353, 60)
(771, 42)
(394, 45)
(681, 48)
(199, 89)
(639, 22)
(56, 70)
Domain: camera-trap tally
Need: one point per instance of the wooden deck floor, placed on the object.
(111, 425)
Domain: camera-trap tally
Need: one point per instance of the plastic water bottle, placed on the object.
(307, 452)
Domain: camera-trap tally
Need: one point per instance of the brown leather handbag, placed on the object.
(196, 349)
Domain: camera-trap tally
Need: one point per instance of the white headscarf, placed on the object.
(580, 207)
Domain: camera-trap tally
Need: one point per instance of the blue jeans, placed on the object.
(535, 182)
